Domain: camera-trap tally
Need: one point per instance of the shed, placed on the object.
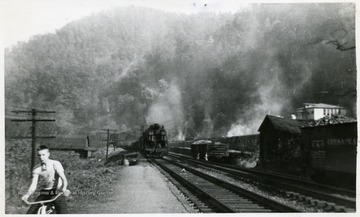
(73, 143)
(126, 138)
(280, 141)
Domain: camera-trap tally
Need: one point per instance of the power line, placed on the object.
(33, 137)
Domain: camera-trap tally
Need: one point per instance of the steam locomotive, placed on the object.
(154, 142)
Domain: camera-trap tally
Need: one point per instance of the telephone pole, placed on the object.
(108, 140)
(33, 137)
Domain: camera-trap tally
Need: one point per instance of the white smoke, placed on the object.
(272, 101)
(180, 136)
(238, 129)
(167, 108)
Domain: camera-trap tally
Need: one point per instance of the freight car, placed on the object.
(245, 146)
(154, 142)
(213, 151)
(325, 153)
(330, 153)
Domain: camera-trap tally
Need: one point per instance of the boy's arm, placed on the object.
(32, 187)
(60, 171)
(64, 181)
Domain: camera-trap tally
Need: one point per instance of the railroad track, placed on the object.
(213, 195)
(308, 194)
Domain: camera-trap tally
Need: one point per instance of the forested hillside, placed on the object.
(198, 74)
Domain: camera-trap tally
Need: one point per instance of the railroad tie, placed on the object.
(314, 202)
(349, 210)
(294, 194)
(254, 210)
(329, 209)
(206, 210)
(320, 203)
(244, 202)
(329, 206)
(309, 200)
(236, 206)
(340, 209)
(302, 197)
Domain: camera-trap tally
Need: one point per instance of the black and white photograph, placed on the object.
(178, 107)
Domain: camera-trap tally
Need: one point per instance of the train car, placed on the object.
(218, 151)
(154, 142)
(199, 149)
(210, 150)
(245, 144)
(180, 147)
(330, 153)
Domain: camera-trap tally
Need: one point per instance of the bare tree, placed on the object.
(343, 39)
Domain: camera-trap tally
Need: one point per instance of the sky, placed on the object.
(22, 19)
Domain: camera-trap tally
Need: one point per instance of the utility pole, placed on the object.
(33, 137)
(108, 140)
(116, 138)
(107, 143)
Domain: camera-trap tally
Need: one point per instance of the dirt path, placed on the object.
(140, 189)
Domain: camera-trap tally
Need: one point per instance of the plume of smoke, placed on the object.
(167, 108)
(180, 135)
(272, 101)
(239, 129)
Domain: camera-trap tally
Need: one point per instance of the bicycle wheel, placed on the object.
(46, 209)
(42, 210)
(50, 209)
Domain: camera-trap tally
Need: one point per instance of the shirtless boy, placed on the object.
(50, 174)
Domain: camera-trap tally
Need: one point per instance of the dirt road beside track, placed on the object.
(140, 188)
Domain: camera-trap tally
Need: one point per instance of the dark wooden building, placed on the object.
(125, 139)
(78, 144)
(280, 143)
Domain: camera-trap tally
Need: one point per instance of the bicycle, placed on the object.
(46, 205)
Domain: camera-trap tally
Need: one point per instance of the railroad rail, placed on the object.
(323, 197)
(210, 194)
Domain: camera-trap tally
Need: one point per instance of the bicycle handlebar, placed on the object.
(43, 201)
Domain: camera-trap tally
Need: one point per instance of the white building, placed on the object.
(315, 111)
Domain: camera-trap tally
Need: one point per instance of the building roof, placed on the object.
(318, 105)
(282, 124)
(201, 142)
(329, 120)
(67, 143)
(129, 134)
